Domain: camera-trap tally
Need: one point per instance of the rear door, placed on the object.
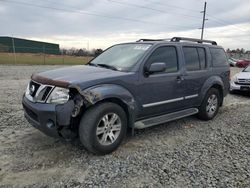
(197, 70)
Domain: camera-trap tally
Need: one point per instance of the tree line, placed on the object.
(238, 51)
(81, 52)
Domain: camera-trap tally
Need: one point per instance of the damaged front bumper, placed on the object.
(52, 119)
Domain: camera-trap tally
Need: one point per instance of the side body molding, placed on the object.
(97, 93)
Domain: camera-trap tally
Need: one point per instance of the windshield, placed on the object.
(122, 57)
(247, 69)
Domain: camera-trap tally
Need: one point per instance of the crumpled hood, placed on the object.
(76, 75)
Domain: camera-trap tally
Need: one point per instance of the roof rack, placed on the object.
(178, 39)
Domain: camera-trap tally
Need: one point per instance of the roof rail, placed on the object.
(178, 39)
(145, 40)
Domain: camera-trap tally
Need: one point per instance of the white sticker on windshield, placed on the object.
(142, 47)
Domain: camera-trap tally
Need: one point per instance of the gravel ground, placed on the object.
(184, 153)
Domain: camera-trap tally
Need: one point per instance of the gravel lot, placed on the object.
(184, 153)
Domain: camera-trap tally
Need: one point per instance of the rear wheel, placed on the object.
(210, 105)
(102, 128)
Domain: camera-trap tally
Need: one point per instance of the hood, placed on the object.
(243, 75)
(75, 75)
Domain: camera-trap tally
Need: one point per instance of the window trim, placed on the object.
(164, 73)
(205, 58)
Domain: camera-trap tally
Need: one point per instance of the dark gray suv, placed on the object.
(129, 86)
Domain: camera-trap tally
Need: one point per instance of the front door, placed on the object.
(160, 93)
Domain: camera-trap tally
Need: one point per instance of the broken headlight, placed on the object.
(58, 96)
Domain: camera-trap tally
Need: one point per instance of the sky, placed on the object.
(101, 23)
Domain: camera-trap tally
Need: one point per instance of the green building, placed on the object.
(11, 44)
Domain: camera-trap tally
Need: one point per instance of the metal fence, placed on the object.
(42, 56)
(18, 45)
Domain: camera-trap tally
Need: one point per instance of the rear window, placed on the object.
(219, 57)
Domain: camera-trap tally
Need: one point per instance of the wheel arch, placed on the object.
(111, 93)
(213, 82)
(220, 89)
(119, 102)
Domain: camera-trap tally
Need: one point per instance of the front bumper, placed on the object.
(238, 87)
(41, 116)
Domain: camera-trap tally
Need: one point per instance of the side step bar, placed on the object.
(165, 118)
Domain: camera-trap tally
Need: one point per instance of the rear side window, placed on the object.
(195, 58)
(202, 57)
(219, 57)
(167, 55)
(191, 58)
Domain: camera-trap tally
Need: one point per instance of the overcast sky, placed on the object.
(101, 23)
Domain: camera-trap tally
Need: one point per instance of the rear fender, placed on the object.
(210, 82)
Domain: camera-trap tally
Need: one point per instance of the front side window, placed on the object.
(167, 55)
(122, 57)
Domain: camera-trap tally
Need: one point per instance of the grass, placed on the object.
(41, 59)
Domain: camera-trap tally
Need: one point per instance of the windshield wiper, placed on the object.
(91, 64)
(107, 66)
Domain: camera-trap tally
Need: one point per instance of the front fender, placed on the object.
(101, 92)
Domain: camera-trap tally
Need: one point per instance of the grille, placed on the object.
(37, 92)
(244, 81)
(46, 93)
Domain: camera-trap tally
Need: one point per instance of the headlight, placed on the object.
(59, 96)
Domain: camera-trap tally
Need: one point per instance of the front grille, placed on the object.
(243, 81)
(37, 92)
(244, 84)
(32, 114)
(46, 93)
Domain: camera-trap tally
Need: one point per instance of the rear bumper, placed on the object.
(41, 116)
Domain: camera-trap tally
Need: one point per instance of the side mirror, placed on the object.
(157, 67)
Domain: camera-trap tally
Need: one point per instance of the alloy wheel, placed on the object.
(108, 129)
(212, 105)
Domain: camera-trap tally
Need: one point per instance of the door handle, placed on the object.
(179, 79)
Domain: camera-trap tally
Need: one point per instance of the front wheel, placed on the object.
(102, 128)
(210, 105)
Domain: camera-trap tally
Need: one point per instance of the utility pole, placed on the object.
(43, 54)
(204, 19)
(88, 53)
(14, 49)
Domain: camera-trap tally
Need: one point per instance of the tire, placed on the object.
(110, 135)
(212, 97)
(232, 91)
